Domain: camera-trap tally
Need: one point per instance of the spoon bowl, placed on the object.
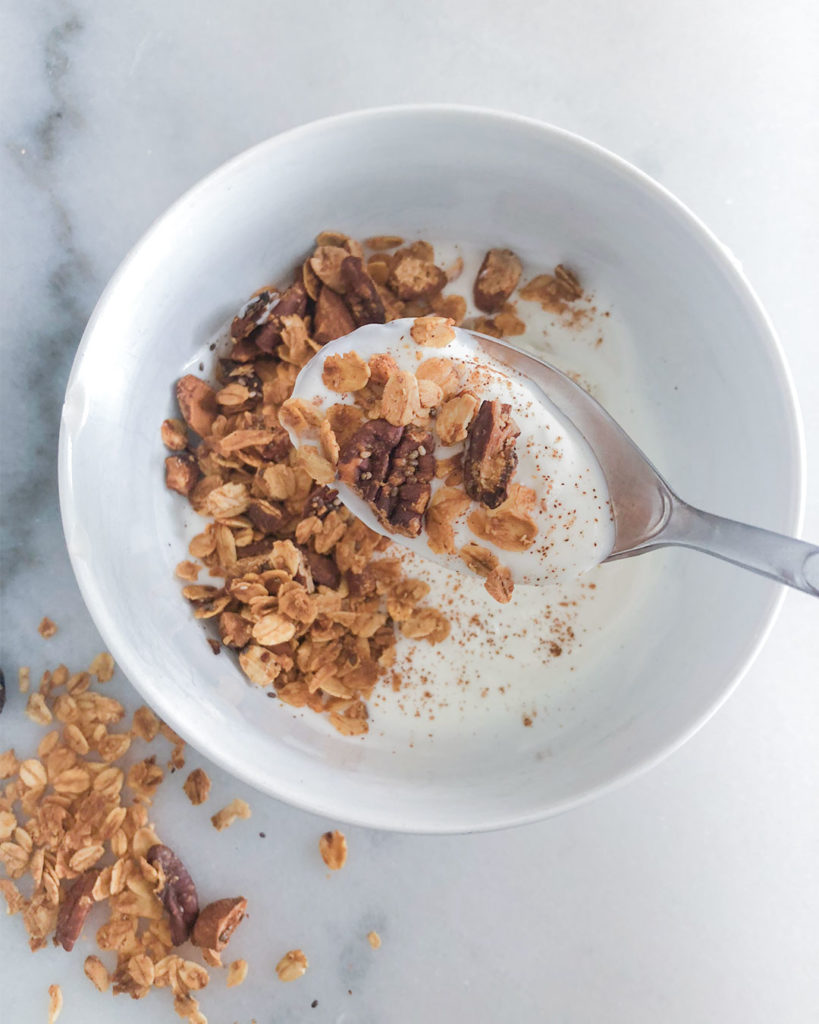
(572, 526)
(645, 512)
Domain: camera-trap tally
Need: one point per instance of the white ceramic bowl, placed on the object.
(727, 437)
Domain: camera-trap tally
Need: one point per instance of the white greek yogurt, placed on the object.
(571, 510)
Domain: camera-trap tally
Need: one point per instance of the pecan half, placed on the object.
(360, 293)
(332, 318)
(490, 457)
(197, 401)
(265, 516)
(182, 472)
(178, 894)
(74, 909)
(497, 279)
(217, 922)
(324, 570)
(391, 467)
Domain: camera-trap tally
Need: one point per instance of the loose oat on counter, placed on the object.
(197, 786)
(292, 965)
(47, 628)
(235, 809)
(333, 850)
(55, 1003)
(305, 598)
(237, 972)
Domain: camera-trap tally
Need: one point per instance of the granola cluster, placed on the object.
(75, 832)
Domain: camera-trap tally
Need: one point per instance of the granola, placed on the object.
(55, 1003)
(217, 922)
(71, 837)
(197, 786)
(429, 446)
(490, 457)
(235, 809)
(292, 965)
(333, 850)
(497, 279)
(285, 552)
(390, 456)
(237, 972)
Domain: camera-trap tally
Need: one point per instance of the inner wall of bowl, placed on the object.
(724, 438)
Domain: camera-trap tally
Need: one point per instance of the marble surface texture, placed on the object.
(690, 895)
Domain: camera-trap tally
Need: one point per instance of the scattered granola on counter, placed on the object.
(292, 965)
(47, 628)
(235, 809)
(237, 972)
(333, 850)
(197, 786)
(69, 839)
(55, 1003)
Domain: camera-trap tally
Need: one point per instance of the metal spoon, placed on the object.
(647, 513)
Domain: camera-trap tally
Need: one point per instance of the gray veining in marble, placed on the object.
(692, 894)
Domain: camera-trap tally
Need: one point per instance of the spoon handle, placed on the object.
(786, 559)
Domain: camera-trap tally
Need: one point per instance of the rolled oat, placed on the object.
(333, 850)
(292, 965)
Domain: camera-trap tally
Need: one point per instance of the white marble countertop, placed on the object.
(692, 894)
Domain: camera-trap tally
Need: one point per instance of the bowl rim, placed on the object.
(128, 658)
